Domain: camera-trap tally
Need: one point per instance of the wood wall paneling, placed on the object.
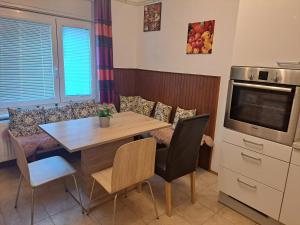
(175, 89)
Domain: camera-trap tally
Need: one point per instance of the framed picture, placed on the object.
(152, 17)
(200, 37)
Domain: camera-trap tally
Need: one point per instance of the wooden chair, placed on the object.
(133, 164)
(181, 156)
(41, 172)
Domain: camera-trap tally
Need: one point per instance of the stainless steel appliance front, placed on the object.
(264, 102)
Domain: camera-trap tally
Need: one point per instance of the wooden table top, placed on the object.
(80, 134)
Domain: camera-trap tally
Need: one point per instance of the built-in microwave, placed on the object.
(264, 102)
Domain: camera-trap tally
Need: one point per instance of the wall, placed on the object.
(74, 8)
(165, 50)
(125, 22)
(267, 32)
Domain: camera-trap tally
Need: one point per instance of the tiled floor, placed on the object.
(54, 206)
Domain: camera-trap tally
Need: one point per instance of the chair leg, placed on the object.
(168, 190)
(193, 178)
(153, 199)
(32, 205)
(18, 192)
(115, 209)
(92, 190)
(78, 192)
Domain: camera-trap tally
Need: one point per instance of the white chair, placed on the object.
(41, 172)
(133, 164)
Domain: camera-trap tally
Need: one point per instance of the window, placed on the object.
(44, 59)
(26, 62)
(77, 61)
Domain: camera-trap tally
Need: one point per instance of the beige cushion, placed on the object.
(144, 107)
(162, 112)
(128, 103)
(181, 114)
(24, 122)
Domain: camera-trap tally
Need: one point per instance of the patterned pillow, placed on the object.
(84, 109)
(57, 114)
(110, 106)
(162, 112)
(128, 103)
(144, 107)
(181, 114)
(24, 122)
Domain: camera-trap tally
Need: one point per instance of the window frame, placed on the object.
(43, 19)
(61, 22)
(56, 24)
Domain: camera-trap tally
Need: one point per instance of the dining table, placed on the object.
(97, 145)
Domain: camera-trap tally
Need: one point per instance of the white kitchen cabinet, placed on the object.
(255, 166)
(291, 202)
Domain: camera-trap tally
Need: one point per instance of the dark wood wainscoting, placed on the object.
(175, 89)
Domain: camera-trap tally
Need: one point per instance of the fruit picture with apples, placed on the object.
(200, 37)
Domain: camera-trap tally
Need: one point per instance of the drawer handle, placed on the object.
(249, 185)
(253, 143)
(250, 157)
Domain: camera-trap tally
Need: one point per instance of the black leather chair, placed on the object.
(180, 158)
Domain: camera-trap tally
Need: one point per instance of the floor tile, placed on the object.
(142, 205)
(194, 213)
(217, 220)
(72, 217)
(124, 216)
(235, 217)
(173, 220)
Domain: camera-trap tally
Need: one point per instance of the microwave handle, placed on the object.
(264, 87)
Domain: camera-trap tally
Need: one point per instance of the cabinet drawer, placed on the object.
(254, 165)
(252, 193)
(273, 149)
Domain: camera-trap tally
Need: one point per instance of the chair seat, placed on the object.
(104, 178)
(161, 161)
(49, 169)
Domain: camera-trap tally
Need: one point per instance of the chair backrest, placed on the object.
(20, 155)
(133, 163)
(184, 148)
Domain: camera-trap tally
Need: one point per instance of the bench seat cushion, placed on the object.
(164, 136)
(36, 143)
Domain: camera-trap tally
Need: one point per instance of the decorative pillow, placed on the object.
(144, 107)
(110, 106)
(128, 103)
(57, 114)
(113, 108)
(162, 112)
(84, 109)
(24, 122)
(181, 114)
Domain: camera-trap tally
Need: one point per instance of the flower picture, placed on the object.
(152, 17)
(200, 37)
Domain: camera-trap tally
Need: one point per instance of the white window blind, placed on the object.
(26, 62)
(77, 61)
